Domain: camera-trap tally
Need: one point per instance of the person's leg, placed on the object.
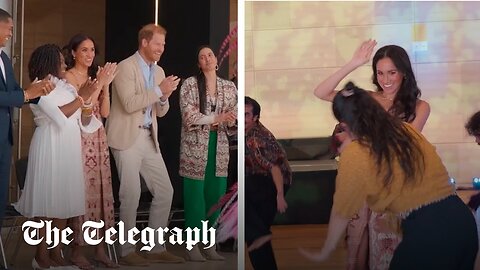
(260, 211)
(260, 206)
(363, 255)
(215, 187)
(267, 215)
(263, 257)
(128, 166)
(78, 258)
(194, 211)
(56, 252)
(443, 244)
(156, 178)
(193, 202)
(77, 246)
(42, 254)
(383, 239)
(99, 193)
(5, 161)
(101, 258)
(357, 240)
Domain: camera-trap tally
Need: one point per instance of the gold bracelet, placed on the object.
(87, 110)
(87, 115)
(25, 97)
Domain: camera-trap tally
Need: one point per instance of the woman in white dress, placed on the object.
(54, 185)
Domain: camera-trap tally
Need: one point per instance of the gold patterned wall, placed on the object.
(291, 46)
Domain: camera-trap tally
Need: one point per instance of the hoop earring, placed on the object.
(216, 67)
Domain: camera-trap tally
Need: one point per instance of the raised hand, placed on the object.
(88, 88)
(281, 204)
(107, 73)
(168, 85)
(363, 53)
(40, 88)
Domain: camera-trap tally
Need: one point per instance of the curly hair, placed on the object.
(43, 61)
(386, 135)
(405, 101)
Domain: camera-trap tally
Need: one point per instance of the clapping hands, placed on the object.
(88, 88)
(40, 87)
(168, 85)
(225, 117)
(106, 74)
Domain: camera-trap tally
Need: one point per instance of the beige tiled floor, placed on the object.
(26, 253)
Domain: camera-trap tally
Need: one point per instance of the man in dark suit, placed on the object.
(11, 95)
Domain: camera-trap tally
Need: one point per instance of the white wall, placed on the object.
(291, 46)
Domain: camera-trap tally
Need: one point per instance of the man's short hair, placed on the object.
(255, 106)
(4, 15)
(148, 30)
(473, 124)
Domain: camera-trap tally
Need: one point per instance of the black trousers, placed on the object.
(5, 160)
(442, 235)
(260, 210)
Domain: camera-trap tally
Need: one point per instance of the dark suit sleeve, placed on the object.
(11, 98)
(18, 89)
(12, 93)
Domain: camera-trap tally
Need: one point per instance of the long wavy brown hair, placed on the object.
(385, 135)
(405, 101)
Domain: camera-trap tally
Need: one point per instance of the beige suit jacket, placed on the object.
(130, 98)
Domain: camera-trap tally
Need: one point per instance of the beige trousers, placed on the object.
(142, 158)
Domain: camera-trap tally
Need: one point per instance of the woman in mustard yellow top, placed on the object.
(392, 167)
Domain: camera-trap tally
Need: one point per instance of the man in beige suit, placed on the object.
(140, 94)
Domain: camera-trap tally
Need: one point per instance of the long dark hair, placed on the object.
(385, 135)
(405, 101)
(43, 61)
(72, 45)
(202, 84)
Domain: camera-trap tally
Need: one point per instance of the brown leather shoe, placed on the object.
(133, 259)
(162, 257)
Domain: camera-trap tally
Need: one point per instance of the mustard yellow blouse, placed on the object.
(357, 182)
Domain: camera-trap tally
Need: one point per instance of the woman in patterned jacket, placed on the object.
(208, 105)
